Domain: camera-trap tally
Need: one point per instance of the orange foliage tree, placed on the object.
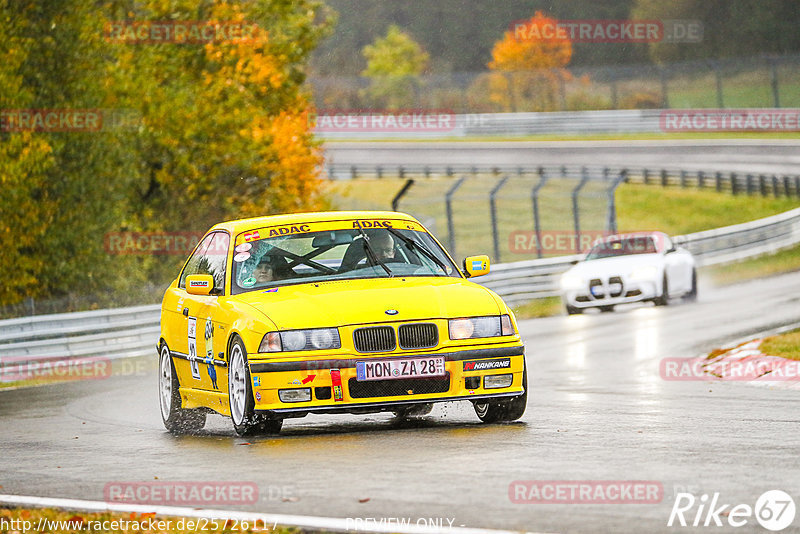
(529, 66)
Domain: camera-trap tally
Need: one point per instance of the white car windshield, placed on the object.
(622, 247)
(337, 254)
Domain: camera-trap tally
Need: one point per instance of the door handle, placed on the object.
(186, 312)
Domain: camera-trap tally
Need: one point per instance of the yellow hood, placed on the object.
(353, 302)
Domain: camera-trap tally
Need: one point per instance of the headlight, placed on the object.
(475, 327)
(294, 340)
(644, 272)
(571, 281)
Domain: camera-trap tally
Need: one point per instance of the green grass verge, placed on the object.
(785, 261)
(785, 345)
(545, 307)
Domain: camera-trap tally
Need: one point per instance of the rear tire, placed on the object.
(175, 417)
(504, 410)
(691, 296)
(663, 300)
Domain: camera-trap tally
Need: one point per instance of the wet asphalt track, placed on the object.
(779, 156)
(598, 410)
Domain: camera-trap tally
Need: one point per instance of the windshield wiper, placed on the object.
(371, 253)
(419, 246)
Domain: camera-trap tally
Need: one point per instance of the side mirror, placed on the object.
(199, 284)
(476, 265)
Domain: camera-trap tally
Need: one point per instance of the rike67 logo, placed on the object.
(774, 510)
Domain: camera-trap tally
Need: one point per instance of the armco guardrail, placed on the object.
(126, 332)
(519, 124)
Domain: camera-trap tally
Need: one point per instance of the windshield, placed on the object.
(622, 247)
(335, 255)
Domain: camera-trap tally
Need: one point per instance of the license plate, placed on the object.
(395, 369)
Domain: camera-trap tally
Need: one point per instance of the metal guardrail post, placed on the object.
(535, 198)
(664, 179)
(734, 188)
(575, 215)
(775, 188)
(773, 79)
(451, 230)
(787, 187)
(646, 176)
(762, 185)
(612, 206)
(683, 179)
(701, 180)
(750, 185)
(400, 194)
(718, 77)
(493, 210)
(353, 172)
(718, 179)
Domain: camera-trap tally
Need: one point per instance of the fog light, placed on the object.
(295, 395)
(497, 381)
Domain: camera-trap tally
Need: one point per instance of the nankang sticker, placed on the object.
(240, 257)
(487, 365)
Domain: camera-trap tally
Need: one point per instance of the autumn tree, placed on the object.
(221, 132)
(529, 66)
(394, 63)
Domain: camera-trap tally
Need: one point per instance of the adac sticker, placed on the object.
(478, 265)
(243, 247)
(240, 257)
(250, 236)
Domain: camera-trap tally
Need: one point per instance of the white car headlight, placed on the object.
(644, 272)
(571, 281)
(293, 340)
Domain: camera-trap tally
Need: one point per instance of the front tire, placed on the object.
(240, 395)
(663, 300)
(691, 296)
(572, 310)
(175, 417)
(504, 410)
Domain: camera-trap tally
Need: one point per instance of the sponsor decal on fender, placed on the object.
(487, 365)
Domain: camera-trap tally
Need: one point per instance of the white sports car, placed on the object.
(629, 268)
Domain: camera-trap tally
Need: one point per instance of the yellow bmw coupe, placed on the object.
(337, 312)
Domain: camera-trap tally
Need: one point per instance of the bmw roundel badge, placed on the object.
(391, 312)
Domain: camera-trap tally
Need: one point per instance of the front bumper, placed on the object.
(465, 371)
(608, 294)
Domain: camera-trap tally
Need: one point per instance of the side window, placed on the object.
(198, 263)
(217, 258)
